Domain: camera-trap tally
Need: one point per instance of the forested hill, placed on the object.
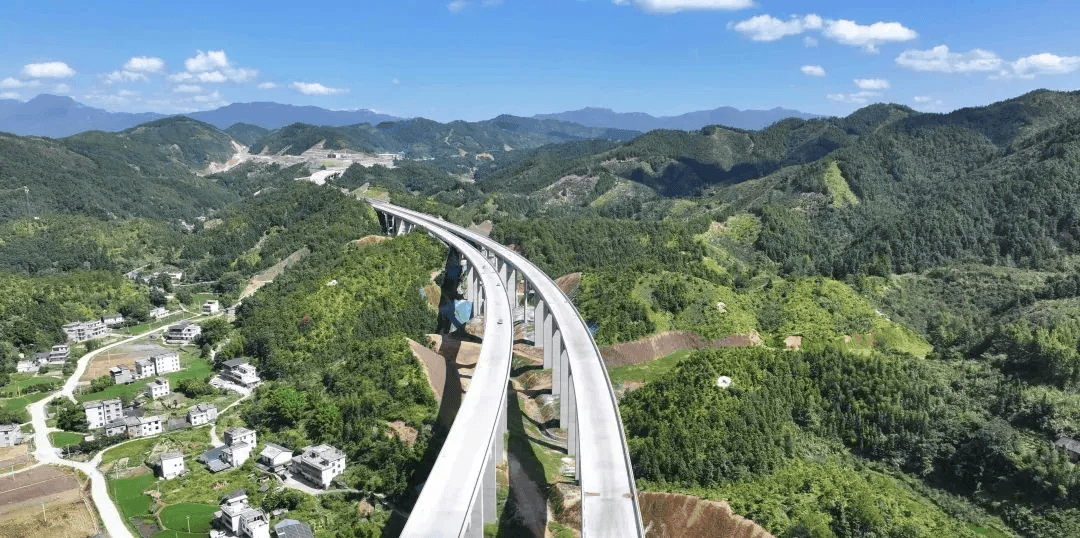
(148, 170)
(421, 138)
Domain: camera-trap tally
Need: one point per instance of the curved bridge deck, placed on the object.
(588, 408)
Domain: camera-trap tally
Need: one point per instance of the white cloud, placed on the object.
(813, 70)
(61, 88)
(858, 98)
(395, 82)
(870, 36)
(674, 6)
(845, 32)
(1044, 64)
(769, 28)
(127, 93)
(923, 98)
(942, 60)
(9, 95)
(187, 88)
(145, 64)
(267, 86)
(48, 70)
(872, 83)
(212, 67)
(314, 88)
(14, 83)
(124, 76)
(214, 97)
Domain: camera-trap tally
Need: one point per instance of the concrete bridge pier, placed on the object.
(556, 363)
(539, 314)
(573, 440)
(565, 394)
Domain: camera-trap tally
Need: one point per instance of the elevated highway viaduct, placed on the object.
(588, 408)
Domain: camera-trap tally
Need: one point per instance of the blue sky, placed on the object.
(474, 59)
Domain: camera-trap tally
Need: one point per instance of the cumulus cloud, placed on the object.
(858, 98)
(10, 83)
(9, 95)
(187, 88)
(314, 88)
(674, 6)
(1044, 64)
(923, 98)
(48, 70)
(867, 36)
(267, 86)
(769, 28)
(872, 83)
(212, 67)
(813, 70)
(845, 32)
(940, 59)
(145, 64)
(61, 88)
(214, 97)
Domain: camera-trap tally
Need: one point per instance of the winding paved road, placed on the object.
(46, 454)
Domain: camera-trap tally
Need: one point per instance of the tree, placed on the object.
(99, 384)
(157, 297)
(70, 416)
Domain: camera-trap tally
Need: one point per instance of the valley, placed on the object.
(891, 297)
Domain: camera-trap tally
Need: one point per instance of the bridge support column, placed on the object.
(511, 291)
(548, 337)
(564, 388)
(500, 440)
(573, 440)
(538, 323)
(476, 519)
(556, 365)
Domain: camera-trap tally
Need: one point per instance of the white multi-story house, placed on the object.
(158, 388)
(143, 426)
(101, 412)
(158, 312)
(59, 354)
(211, 307)
(10, 434)
(183, 332)
(85, 330)
(172, 465)
(319, 464)
(239, 519)
(165, 363)
(237, 453)
(202, 413)
(157, 364)
(240, 372)
(239, 435)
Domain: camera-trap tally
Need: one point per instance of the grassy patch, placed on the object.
(647, 371)
(20, 403)
(143, 327)
(20, 382)
(177, 517)
(128, 494)
(190, 441)
(62, 439)
(838, 187)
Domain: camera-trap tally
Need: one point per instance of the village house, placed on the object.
(116, 427)
(144, 426)
(239, 435)
(211, 307)
(240, 372)
(121, 375)
(24, 367)
(275, 458)
(172, 465)
(202, 413)
(158, 312)
(79, 331)
(157, 364)
(319, 464)
(238, 518)
(158, 388)
(182, 332)
(59, 354)
(101, 412)
(10, 434)
(112, 320)
(237, 453)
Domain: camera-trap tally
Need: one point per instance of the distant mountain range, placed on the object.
(691, 121)
(59, 116)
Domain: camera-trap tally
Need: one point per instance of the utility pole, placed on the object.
(43, 512)
(189, 524)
